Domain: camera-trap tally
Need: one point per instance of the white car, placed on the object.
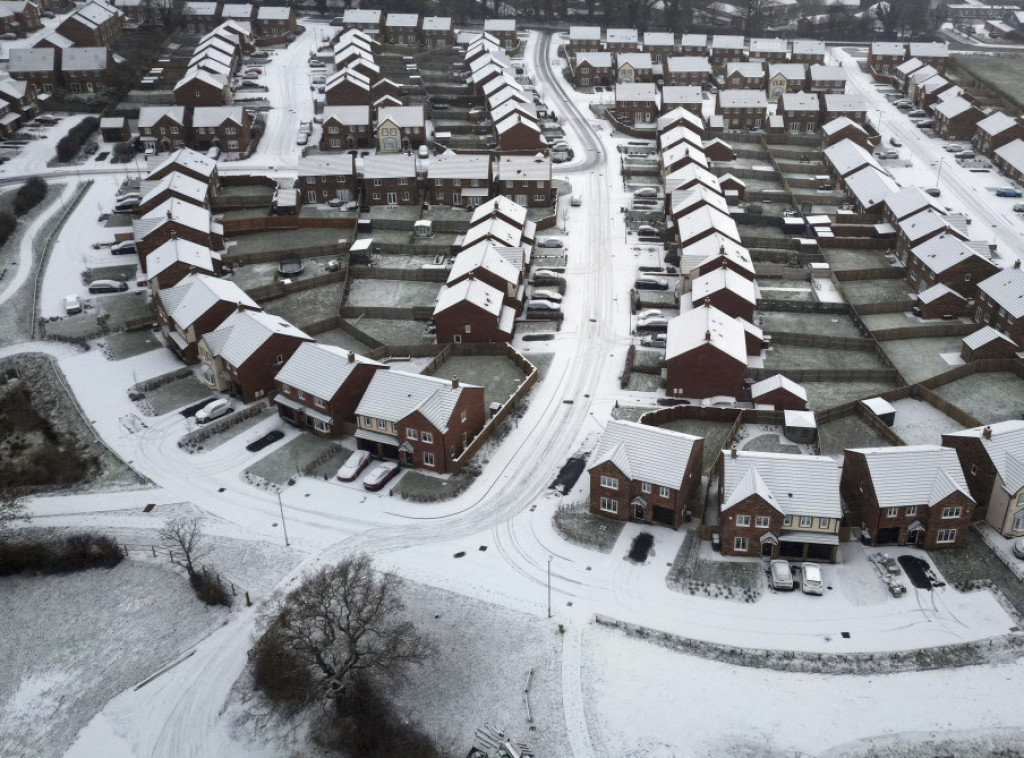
(812, 583)
(213, 410)
(544, 273)
(354, 465)
(648, 314)
(72, 305)
(551, 243)
(554, 297)
(654, 340)
(302, 139)
(646, 192)
(780, 575)
(1018, 547)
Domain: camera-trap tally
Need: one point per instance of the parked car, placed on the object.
(646, 192)
(72, 305)
(1018, 547)
(107, 285)
(954, 148)
(654, 340)
(927, 123)
(8, 36)
(575, 201)
(780, 575)
(542, 306)
(302, 139)
(356, 462)
(545, 273)
(250, 85)
(904, 105)
(123, 248)
(317, 64)
(550, 243)
(126, 206)
(933, 191)
(552, 295)
(381, 475)
(811, 583)
(254, 71)
(1007, 192)
(649, 313)
(650, 283)
(895, 142)
(888, 155)
(319, 80)
(423, 151)
(212, 411)
(918, 113)
(1018, 207)
(653, 325)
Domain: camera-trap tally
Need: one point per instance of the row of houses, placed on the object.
(267, 22)
(207, 80)
(163, 128)
(74, 69)
(885, 57)
(410, 29)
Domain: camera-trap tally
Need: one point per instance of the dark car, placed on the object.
(380, 476)
(650, 283)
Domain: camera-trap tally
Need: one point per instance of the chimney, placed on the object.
(1016, 263)
(170, 216)
(732, 451)
(351, 357)
(455, 382)
(707, 336)
(987, 432)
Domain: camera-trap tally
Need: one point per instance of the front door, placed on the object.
(914, 536)
(766, 549)
(390, 145)
(638, 511)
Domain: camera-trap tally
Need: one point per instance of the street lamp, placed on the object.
(549, 586)
(283, 525)
(939, 175)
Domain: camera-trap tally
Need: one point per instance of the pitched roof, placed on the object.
(636, 60)
(984, 336)
(942, 252)
(847, 156)
(933, 293)
(751, 483)
(596, 59)
(436, 23)
(910, 200)
(952, 107)
(473, 291)
(452, 165)
(389, 166)
(320, 370)
(742, 98)
(722, 279)
(802, 485)
(994, 123)
(643, 92)
(34, 59)
(922, 224)
(179, 251)
(244, 332)
(180, 184)
(820, 72)
(199, 75)
(704, 219)
(870, 187)
(838, 124)
(484, 257)
(499, 206)
(705, 325)
(1006, 289)
(748, 70)
(212, 116)
(349, 115)
(395, 395)
(402, 116)
(588, 33)
(913, 474)
(645, 453)
(84, 59)
(189, 159)
(681, 64)
(777, 382)
(1005, 448)
(790, 71)
(1013, 153)
(800, 101)
(196, 294)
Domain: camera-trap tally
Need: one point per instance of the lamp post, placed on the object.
(549, 586)
(284, 526)
(939, 175)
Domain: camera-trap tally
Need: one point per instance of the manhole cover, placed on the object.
(460, 554)
(846, 635)
(483, 548)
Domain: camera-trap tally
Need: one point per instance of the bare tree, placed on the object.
(343, 622)
(12, 508)
(184, 535)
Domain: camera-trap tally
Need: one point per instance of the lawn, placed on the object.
(495, 373)
(989, 397)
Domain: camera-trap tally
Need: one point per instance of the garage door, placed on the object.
(662, 515)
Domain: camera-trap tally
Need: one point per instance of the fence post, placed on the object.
(233, 593)
(154, 550)
(247, 600)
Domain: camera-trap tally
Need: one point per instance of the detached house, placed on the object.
(779, 506)
(810, 52)
(956, 119)
(1000, 303)
(743, 109)
(785, 77)
(682, 71)
(518, 133)
(594, 68)
(176, 259)
(37, 65)
(200, 17)
(437, 32)
(176, 219)
(93, 25)
(402, 29)
(485, 263)
(992, 459)
(345, 127)
(421, 421)
(459, 180)
(323, 178)
(910, 495)
(800, 112)
(473, 311)
(228, 127)
(85, 69)
(660, 46)
(633, 67)
(504, 30)
(987, 343)
(829, 80)
(884, 57)
(320, 386)
(1010, 159)
(740, 75)
(622, 41)
(275, 22)
(199, 87)
(636, 103)
(850, 106)
(194, 306)
(725, 49)
(645, 474)
(525, 179)
(705, 354)
(368, 20)
(583, 39)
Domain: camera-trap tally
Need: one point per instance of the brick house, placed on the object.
(462, 180)
(93, 25)
(198, 87)
(196, 305)
(1010, 159)
(780, 392)
(884, 57)
(991, 133)
(26, 14)
(705, 355)
(850, 106)
(200, 17)
(946, 259)
(742, 75)
(680, 71)
(244, 354)
(504, 30)
(722, 288)
(176, 259)
(437, 32)
(905, 71)
(390, 180)
(485, 263)
(176, 219)
(525, 179)
(402, 29)
(645, 474)
(583, 39)
(724, 49)
(115, 129)
(241, 13)
(345, 127)
(689, 97)
(910, 495)
(935, 54)
(323, 178)
(769, 50)
(939, 301)
(869, 188)
(992, 458)
(779, 506)
(907, 202)
(347, 87)
(956, 119)
(636, 103)
(190, 163)
(367, 20)
(37, 65)
(660, 46)
(421, 421)
(786, 77)
(519, 133)
(842, 129)
(400, 128)
(928, 92)
(229, 128)
(810, 52)
(693, 45)
(594, 68)
(163, 126)
(742, 108)
(620, 40)
(174, 185)
(800, 111)
(275, 22)
(633, 68)
(473, 311)
(987, 343)
(1000, 302)
(827, 79)
(85, 69)
(319, 387)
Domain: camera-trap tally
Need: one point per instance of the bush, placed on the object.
(209, 589)
(67, 149)
(122, 152)
(29, 195)
(59, 556)
(69, 146)
(280, 674)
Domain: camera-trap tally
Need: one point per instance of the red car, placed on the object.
(380, 476)
(354, 465)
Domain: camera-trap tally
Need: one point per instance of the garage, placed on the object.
(661, 515)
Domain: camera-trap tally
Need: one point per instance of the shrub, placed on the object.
(59, 556)
(209, 589)
(122, 152)
(67, 149)
(279, 673)
(29, 195)
(69, 146)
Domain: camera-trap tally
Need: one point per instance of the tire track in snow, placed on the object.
(573, 700)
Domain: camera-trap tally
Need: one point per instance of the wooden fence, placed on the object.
(416, 313)
(801, 375)
(176, 556)
(403, 274)
(946, 329)
(252, 224)
(821, 340)
(886, 306)
(275, 290)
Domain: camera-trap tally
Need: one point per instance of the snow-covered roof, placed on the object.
(436, 23)
(952, 107)
(196, 294)
(776, 382)
(922, 224)
(743, 98)
(791, 71)
(326, 164)
(678, 94)
(689, 175)
(621, 36)
(348, 115)
(94, 15)
(348, 75)
(1013, 154)
(759, 45)
(516, 119)
(659, 39)
(507, 108)
(993, 124)
(909, 66)
(402, 116)
(273, 13)
(402, 20)
(727, 42)
(499, 206)
(173, 210)
(451, 165)
(584, 33)
(236, 11)
(244, 332)
(822, 73)
(494, 228)
(645, 453)
(888, 48)
(683, 201)
(797, 485)
(641, 61)
(188, 159)
(499, 25)
(320, 370)
(389, 166)
(361, 16)
(942, 252)
(535, 168)
(838, 124)
(870, 187)
(682, 151)
(984, 336)
(910, 200)
(935, 292)
(800, 419)
(679, 135)
(213, 116)
(680, 117)
(1004, 445)
(929, 50)
(684, 64)
(57, 40)
(844, 103)
(723, 279)
(706, 219)
(473, 291)
(196, 8)
(800, 102)
(636, 92)
(693, 40)
(178, 183)
(84, 59)
(483, 257)
(705, 325)
(596, 59)
(394, 395)
(808, 47)
(179, 250)
(194, 75)
(847, 156)
(935, 84)
(1006, 289)
(31, 60)
(748, 70)
(913, 475)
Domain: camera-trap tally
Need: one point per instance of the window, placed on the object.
(300, 395)
(824, 523)
(376, 196)
(645, 487)
(1018, 521)
(405, 197)
(382, 424)
(761, 522)
(911, 510)
(538, 198)
(463, 416)
(805, 522)
(174, 130)
(892, 512)
(321, 426)
(974, 470)
(468, 328)
(411, 434)
(319, 403)
(311, 196)
(377, 182)
(609, 506)
(230, 130)
(427, 438)
(332, 130)
(428, 459)
(946, 536)
(951, 512)
(739, 544)
(403, 182)
(787, 521)
(664, 491)
(232, 144)
(743, 521)
(610, 482)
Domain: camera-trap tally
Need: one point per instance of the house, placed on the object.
(196, 305)
(242, 13)
(785, 77)
(660, 46)
(198, 87)
(703, 222)
(633, 67)
(94, 24)
(583, 39)
(742, 108)
(323, 178)
(319, 387)
(719, 251)
(525, 179)
(455, 179)
(227, 127)
(1010, 159)
(176, 219)
(691, 176)
(25, 13)
(176, 259)
(733, 187)
(907, 202)
(780, 392)
(680, 117)
(945, 259)
(848, 157)
(519, 133)
(800, 112)
(956, 119)
(681, 203)
(693, 45)
(722, 288)
(594, 68)
(85, 69)
(991, 133)
(114, 129)
(37, 65)
(244, 354)
(485, 263)
(705, 354)
(775, 505)
(646, 474)
(768, 50)
(987, 343)
(275, 22)
(402, 29)
(909, 495)
(390, 180)
(686, 71)
(905, 70)
(935, 54)
(884, 57)
(689, 97)
(54, 41)
(725, 49)
(622, 41)
(400, 128)
(345, 127)
(421, 421)
(368, 20)
(174, 185)
(165, 127)
(1000, 303)
(940, 301)
(928, 92)
(810, 52)
(200, 17)
(504, 30)
(841, 129)
(347, 87)
(740, 75)
(190, 163)
(992, 459)
(437, 32)
(503, 221)
(473, 311)
(869, 188)
(827, 79)
(850, 106)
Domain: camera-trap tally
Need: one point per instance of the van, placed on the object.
(72, 305)
(107, 285)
